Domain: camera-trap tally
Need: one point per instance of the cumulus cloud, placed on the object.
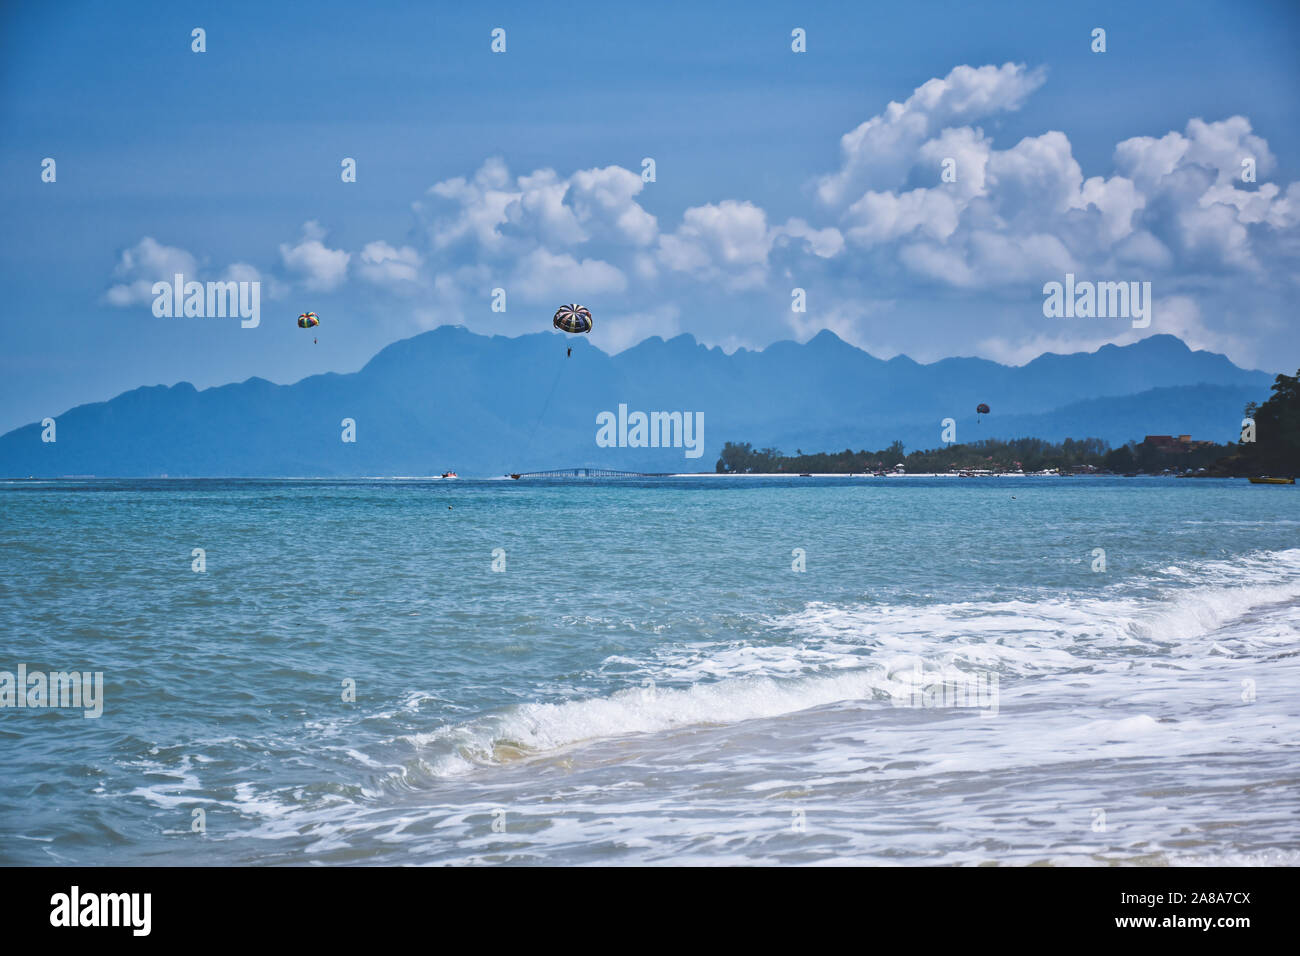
(885, 217)
(385, 265)
(542, 274)
(241, 272)
(314, 264)
(1174, 206)
(882, 150)
(1195, 202)
(825, 243)
(534, 233)
(1218, 148)
(603, 202)
(923, 203)
(921, 193)
(145, 263)
(478, 207)
(727, 242)
(497, 212)
(149, 261)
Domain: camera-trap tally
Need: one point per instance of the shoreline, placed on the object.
(623, 477)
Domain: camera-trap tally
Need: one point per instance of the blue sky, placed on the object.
(522, 171)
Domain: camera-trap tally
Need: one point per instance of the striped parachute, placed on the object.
(308, 320)
(572, 318)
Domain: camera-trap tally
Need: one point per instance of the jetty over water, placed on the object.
(593, 473)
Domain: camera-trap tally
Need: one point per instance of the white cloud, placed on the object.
(480, 207)
(1117, 199)
(969, 150)
(149, 261)
(884, 217)
(241, 272)
(883, 225)
(1036, 180)
(1176, 205)
(986, 258)
(538, 211)
(382, 264)
(513, 215)
(145, 263)
(318, 267)
(1195, 201)
(825, 243)
(727, 242)
(1143, 250)
(530, 234)
(542, 274)
(602, 200)
(880, 151)
(1219, 147)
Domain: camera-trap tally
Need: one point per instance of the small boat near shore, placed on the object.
(450, 474)
(1265, 480)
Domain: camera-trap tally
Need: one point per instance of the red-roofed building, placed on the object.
(1178, 446)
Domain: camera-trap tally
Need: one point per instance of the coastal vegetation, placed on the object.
(1269, 445)
(1275, 449)
(1086, 455)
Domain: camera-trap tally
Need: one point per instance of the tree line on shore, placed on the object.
(1275, 450)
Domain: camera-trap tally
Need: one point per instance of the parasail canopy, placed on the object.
(572, 318)
(308, 320)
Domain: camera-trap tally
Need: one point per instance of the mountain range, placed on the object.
(450, 399)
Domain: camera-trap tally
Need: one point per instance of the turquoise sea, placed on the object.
(648, 678)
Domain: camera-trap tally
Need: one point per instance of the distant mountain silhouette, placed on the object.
(452, 399)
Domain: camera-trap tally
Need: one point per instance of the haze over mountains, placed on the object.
(452, 399)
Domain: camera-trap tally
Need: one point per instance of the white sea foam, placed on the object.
(871, 652)
(1099, 689)
(534, 728)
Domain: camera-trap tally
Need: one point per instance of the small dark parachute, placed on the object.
(572, 318)
(308, 320)
(981, 409)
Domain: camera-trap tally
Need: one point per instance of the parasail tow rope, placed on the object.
(545, 405)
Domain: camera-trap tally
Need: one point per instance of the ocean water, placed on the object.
(649, 680)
